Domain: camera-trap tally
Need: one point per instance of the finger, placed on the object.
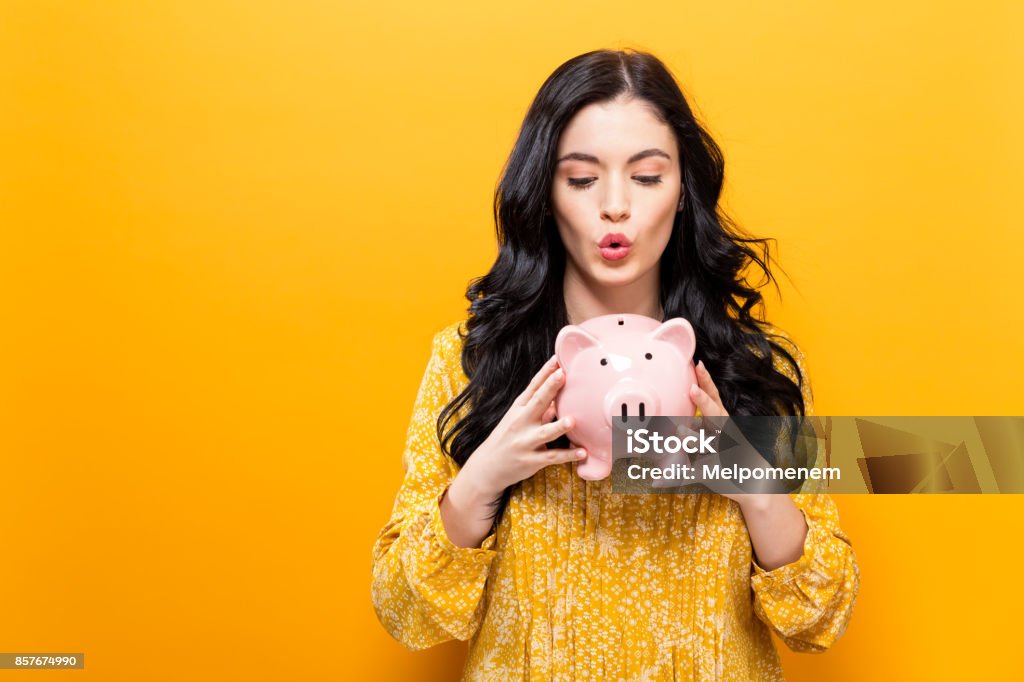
(550, 413)
(708, 407)
(561, 456)
(550, 431)
(683, 430)
(538, 379)
(706, 382)
(545, 394)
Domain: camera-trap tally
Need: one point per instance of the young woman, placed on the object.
(608, 204)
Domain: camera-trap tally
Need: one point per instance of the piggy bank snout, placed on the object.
(630, 400)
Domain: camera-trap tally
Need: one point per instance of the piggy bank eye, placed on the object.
(604, 361)
(648, 356)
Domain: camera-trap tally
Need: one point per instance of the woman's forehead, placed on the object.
(616, 132)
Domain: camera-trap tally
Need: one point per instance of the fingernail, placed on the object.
(580, 454)
(694, 389)
(701, 365)
(568, 422)
(559, 373)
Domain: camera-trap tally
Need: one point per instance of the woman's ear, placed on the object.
(682, 198)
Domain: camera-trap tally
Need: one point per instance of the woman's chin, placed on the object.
(616, 276)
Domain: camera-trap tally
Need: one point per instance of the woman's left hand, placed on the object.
(705, 394)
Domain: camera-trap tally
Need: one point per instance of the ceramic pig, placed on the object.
(621, 364)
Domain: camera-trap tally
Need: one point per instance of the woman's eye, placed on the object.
(581, 183)
(584, 183)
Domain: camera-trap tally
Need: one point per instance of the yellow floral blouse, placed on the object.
(578, 583)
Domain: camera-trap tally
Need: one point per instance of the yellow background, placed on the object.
(229, 230)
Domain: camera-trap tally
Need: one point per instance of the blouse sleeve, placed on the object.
(809, 602)
(426, 590)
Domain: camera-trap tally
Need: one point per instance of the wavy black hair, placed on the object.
(518, 307)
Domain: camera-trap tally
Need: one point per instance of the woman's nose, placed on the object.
(616, 204)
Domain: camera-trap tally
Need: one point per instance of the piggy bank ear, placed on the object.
(571, 341)
(679, 333)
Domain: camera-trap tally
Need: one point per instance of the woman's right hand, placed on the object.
(515, 450)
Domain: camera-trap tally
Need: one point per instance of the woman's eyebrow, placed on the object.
(580, 156)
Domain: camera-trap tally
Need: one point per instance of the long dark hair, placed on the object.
(518, 307)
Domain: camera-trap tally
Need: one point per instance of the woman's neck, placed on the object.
(584, 301)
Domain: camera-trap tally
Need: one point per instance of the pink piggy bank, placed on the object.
(618, 365)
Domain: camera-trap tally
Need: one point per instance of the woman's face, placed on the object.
(617, 176)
